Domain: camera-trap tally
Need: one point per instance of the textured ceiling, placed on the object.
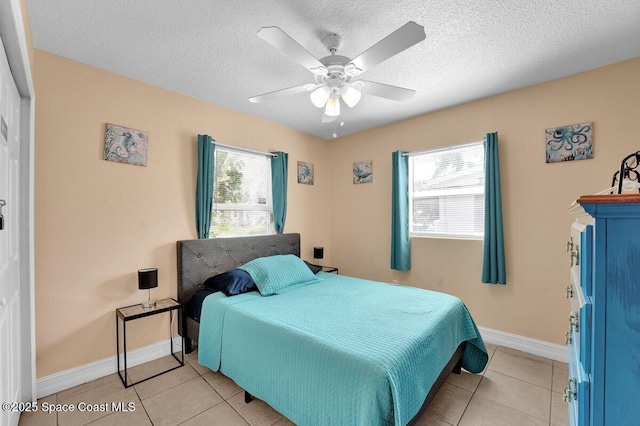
(210, 50)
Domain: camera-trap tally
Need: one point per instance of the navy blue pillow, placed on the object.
(194, 306)
(235, 281)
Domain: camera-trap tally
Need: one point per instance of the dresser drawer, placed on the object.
(580, 250)
(586, 336)
(575, 294)
(576, 392)
(573, 250)
(579, 336)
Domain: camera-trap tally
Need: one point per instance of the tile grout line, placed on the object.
(524, 381)
(497, 402)
(224, 400)
(486, 368)
(476, 388)
(143, 407)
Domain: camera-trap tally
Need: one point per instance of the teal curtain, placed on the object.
(204, 185)
(279, 170)
(400, 242)
(493, 265)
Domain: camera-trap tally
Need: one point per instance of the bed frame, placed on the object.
(201, 259)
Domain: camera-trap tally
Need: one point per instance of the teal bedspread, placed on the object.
(342, 351)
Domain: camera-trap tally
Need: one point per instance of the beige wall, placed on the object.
(98, 222)
(535, 195)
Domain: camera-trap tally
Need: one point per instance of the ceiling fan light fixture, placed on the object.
(350, 96)
(320, 96)
(333, 107)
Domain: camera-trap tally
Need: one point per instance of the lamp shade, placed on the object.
(350, 96)
(318, 252)
(320, 96)
(147, 278)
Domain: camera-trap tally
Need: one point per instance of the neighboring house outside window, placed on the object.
(446, 192)
(242, 194)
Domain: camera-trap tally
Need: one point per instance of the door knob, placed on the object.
(2, 203)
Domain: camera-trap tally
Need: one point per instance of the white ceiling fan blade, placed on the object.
(283, 42)
(380, 90)
(283, 92)
(399, 40)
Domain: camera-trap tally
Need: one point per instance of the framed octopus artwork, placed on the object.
(568, 143)
(125, 145)
(305, 173)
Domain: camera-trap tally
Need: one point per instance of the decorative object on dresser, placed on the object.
(148, 279)
(125, 145)
(568, 143)
(604, 323)
(627, 173)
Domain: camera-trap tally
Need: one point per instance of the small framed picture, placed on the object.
(363, 171)
(305, 173)
(568, 143)
(125, 145)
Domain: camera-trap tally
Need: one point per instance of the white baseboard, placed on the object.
(525, 344)
(57, 382)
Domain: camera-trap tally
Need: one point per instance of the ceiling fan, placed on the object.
(335, 74)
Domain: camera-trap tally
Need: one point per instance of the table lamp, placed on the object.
(318, 253)
(148, 279)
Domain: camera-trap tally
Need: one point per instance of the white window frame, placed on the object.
(268, 206)
(443, 192)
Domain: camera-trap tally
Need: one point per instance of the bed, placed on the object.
(317, 353)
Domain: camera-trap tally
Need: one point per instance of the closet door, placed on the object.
(10, 344)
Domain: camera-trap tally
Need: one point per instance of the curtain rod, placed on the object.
(447, 148)
(237, 148)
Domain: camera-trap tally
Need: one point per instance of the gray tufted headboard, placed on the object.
(201, 259)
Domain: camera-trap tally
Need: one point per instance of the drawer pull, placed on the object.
(570, 391)
(574, 321)
(569, 291)
(573, 253)
(570, 245)
(567, 338)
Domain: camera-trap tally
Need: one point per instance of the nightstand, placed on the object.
(133, 312)
(330, 269)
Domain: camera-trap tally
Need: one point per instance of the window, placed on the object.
(446, 192)
(242, 194)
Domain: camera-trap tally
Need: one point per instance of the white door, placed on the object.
(10, 368)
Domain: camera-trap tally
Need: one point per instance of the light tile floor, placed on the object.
(515, 389)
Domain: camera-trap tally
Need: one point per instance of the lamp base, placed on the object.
(149, 304)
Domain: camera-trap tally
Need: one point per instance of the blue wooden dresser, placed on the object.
(604, 323)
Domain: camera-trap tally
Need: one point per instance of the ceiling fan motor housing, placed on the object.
(332, 42)
(336, 75)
